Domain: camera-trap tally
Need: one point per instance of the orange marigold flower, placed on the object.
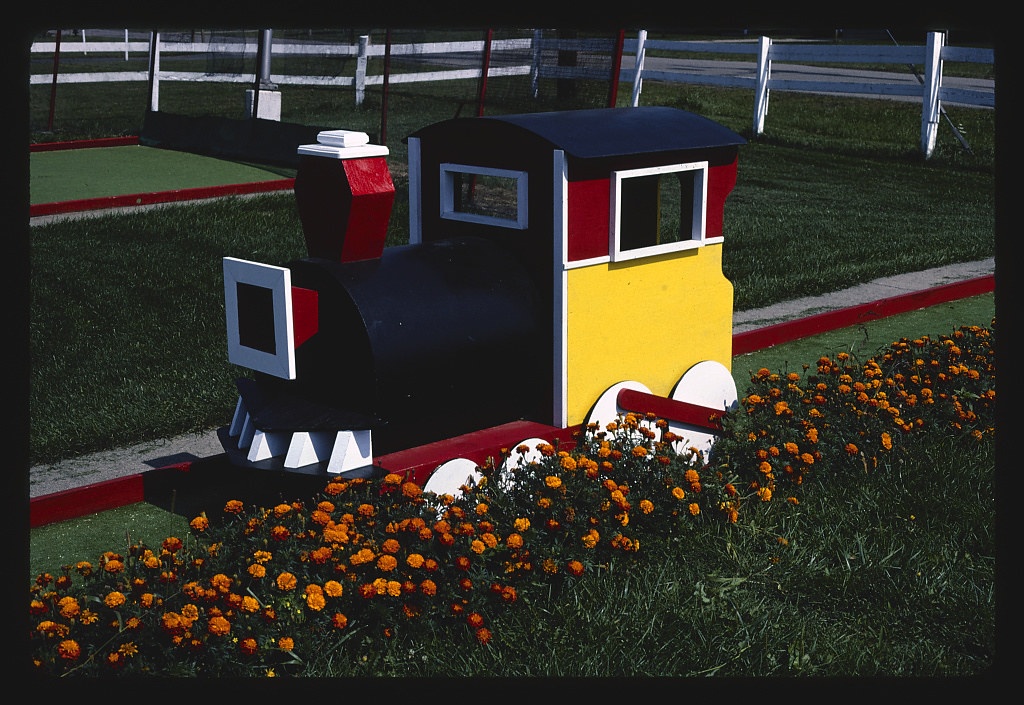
(851, 449)
(639, 451)
(387, 563)
(286, 643)
(521, 524)
(807, 458)
(199, 524)
(428, 587)
(69, 649)
(414, 560)
(286, 581)
(694, 509)
(553, 482)
(219, 626)
(483, 635)
(475, 620)
(113, 566)
(315, 597)
(574, 568)
(514, 541)
(887, 441)
(793, 500)
(114, 599)
(366, 510)
(646, 506)
(679, 493)
(764, 493)
(257, 571)
(339, 621)
(247, 646)
(391, 546)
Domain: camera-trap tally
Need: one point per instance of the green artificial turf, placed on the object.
(97, 172)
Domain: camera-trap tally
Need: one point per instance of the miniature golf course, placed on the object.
(122, 173)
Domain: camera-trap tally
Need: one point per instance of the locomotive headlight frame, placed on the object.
(258, 309)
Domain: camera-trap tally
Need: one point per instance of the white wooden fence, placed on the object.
(757, 76)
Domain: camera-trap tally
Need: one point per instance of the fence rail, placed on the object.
(650, 64)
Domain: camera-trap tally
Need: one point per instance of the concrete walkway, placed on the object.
(108, 465)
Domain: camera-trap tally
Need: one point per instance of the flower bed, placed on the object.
(257, 590)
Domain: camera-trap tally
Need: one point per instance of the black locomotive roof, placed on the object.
(612, 132)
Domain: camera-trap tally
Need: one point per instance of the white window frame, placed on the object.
(280, 363)
(448, 171)
(698, 236)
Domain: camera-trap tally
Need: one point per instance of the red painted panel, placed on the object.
(305, 314)
(721, 180)
(589, 211)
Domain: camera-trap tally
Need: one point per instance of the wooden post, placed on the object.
(638, 69)
(360, 83)
(154, 71)
(931, 106)
(764, 74)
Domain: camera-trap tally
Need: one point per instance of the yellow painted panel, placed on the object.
(646, 320)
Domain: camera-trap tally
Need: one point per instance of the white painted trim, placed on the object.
(560, 199)
(278, 279)
(698, 227)
(332, 152)
(415, 192)
(447, 205)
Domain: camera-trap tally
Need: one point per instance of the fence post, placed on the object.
(764, 74)
(535, 63)
(364, 42)
(154, 71)
(638, 70)
(931, 106)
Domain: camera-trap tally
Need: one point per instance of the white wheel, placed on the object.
(515, 460)
(709, 384)
(449, 477)
(606, 409)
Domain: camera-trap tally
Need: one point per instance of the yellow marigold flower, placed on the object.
(694, 509)
(387, 563)
(764, 493)
(553, 482)
(114, 599)
(521, 524)
(591, 538)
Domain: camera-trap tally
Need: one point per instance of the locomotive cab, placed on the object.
(551, 257)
